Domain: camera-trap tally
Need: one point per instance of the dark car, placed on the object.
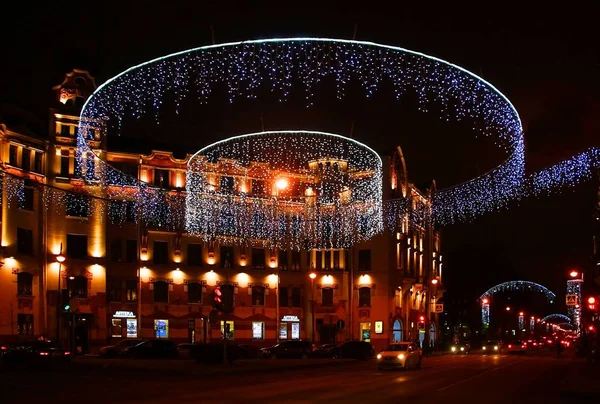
(492, 347)
(360, 350)
(34, 354)
(250, 351)
(461, 348)
(112, 351)
(188, 350)
(152, 349)
(288, 349)
(214, 353)
(324, 351)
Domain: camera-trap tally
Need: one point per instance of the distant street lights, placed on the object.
(60, 258)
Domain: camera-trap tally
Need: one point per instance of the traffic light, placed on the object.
(217, 299)
(65, 300)
(592, 304)
(421, 322)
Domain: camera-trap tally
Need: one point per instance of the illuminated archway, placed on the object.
(556, 316)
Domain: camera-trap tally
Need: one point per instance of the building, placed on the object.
(84, 267)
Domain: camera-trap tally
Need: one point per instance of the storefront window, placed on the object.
(283, 330)
(365, 332)
(258, 330)
(295, 330)
(227, 329)
(117, 329)
(161, 328)
(132, 328)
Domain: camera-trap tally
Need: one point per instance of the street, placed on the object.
(466, 379)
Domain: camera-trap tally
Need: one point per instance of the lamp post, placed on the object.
(312, 277)
(60, 258)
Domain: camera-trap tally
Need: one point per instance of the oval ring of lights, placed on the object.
(244, 67)
(285, 189)
(519, 286)
(557, 316)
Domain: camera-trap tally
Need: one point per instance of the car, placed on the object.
(288, 349)
(152, 349)
(492, 347)
(112, 351)
(324, 351)
(460, 348)
(403, 355)
(360, 350)
(250, 351)
(34, 354)
(517, 346)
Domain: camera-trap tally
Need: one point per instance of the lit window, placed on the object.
(258, 330)
(227, 329)
(161, 328)
(117, 328)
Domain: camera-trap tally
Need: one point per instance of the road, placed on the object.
(465, 379)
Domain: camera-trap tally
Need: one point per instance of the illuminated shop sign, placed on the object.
(290, 318)
(123, 314)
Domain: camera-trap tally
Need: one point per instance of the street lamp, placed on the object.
(60, 258)
(312, 277)
(507, 308)
(574, 273)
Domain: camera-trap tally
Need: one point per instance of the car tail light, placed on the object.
(510, 346)
(67, 353)
(3, 348)
(43, 353)
(524, 346)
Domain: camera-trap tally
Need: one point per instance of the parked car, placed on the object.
(517, 346)
(112, 351)
(461, 348)
(324, 351)
(34, 354)
(492, 347)
(152, 349)
(360, 350)
(188, 350)
(288, 349)
(250, 351)
(403, 355)
(213, 353)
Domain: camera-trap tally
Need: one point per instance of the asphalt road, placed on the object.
(454, 379)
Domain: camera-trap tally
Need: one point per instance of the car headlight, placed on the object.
(378, 356)
(484, 348)
(495, 348)
(462, 348)
(453, 349)
(401, 356)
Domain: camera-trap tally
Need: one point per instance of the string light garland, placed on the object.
(245, 67)
(519, 286)
(561, 317)
(285, 189)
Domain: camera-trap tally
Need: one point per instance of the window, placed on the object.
(258, 330)
(296, 297)
(282, 260)
(194, 255)
(131, 251)
(226, 184)
(336, 259)
(227, 329)
(295, 260)
(160, 254)
(26, 159)
(161, 328)
(117, 328)
(130, 212)
(26, 202)
(327, 297)
(77, 206)
(258, 295)
(258, 187)
(77, 286)
(194, 292)
(226, 257)
(24, 284)
(12, 155)
(131, 290)
(328, 259)
(364, 297)
(115, 291)
(37, 162)
(116, 250)
(25, 324)
(364, 260)
(77, 246)
(258, 258)
(65, 160)
(24, 241)
(319, 260)
(65, 130)
(161, 292)
(161, 178)
(283, 297)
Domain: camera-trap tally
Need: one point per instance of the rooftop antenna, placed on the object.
(262, 123)
(212, 33)
(352, 130)
(355, 30)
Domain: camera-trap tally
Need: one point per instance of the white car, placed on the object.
(403, 355)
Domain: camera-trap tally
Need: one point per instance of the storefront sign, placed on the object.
(378, 327)
(123, 314)
(290, 318)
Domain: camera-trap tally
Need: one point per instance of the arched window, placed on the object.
(161, 292)
(364, 297)
(24, 284)
(397, 331)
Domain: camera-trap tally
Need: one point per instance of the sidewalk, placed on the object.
(190, 367)
(582, 382)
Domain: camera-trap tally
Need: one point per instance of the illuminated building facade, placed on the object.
(123, 278)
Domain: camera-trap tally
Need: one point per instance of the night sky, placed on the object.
(547, 65)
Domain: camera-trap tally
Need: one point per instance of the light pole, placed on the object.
(312, 277)
(60, 258)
